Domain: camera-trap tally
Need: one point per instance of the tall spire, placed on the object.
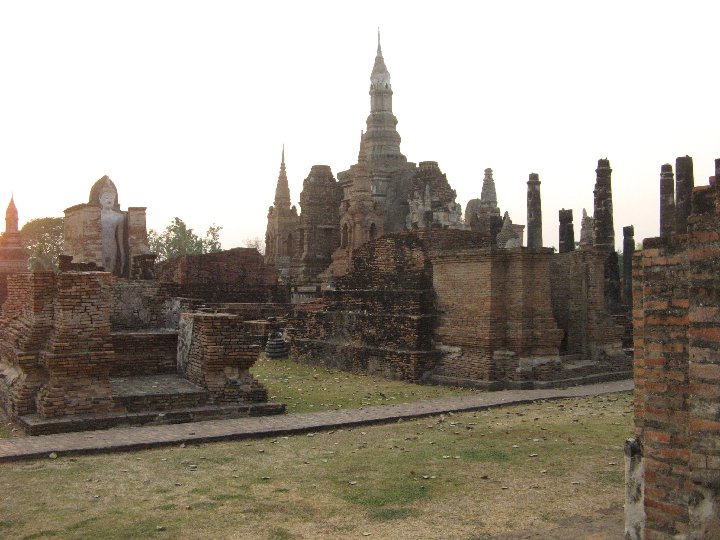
(380, 76)
(381, 137)
(282, 191)
(11, 216)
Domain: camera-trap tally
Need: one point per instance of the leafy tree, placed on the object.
(43, 238)
(177, 240)
(257, 243)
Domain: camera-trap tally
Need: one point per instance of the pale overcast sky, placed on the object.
(186, 105)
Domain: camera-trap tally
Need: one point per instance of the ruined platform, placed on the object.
(150, 400)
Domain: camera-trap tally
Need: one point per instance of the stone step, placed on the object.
(163, 392)
(33, 424)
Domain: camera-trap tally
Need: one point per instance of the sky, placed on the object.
(186, 105)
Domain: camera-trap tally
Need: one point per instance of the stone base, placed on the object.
(33, 424)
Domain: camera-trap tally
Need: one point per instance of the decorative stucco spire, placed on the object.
(282, 191)
(381, 138)
(11, 216)
(488, 196)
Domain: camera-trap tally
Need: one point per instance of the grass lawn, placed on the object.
(305, 388)
(465, 476)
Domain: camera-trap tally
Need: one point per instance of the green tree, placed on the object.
(257, 243)
(177, 240)
(43, 238)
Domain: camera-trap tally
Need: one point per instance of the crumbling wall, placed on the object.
(380, 319)
(235, 275)
(25, 323)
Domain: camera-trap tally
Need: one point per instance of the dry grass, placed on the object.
(305, 388)
(470, 475)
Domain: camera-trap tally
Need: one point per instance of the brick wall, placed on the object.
(445, 305)
(677, 375)
(235, 275)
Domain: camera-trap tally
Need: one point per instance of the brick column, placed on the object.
(567, 231)
(667, 201)
(534, 213)
(628, 250)
(216, 352)
(684, 183)
(603, 228)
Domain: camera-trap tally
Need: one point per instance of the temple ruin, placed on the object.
(383, 250)
(85, 348)
(381, 194)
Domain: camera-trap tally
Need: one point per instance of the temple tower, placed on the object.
(318, 233)
(667, 201)
(483, 214)
(11, 217)
(534, 213)
(381, 139)
(13, 257)
(281, 242)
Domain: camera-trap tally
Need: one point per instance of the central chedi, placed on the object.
(382, 193)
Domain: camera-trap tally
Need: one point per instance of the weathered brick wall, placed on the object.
(25, 323)
(677, 374)
(492, 300)
(149, 352)
(78, 354)
(142, 304)
(579, 307)
(235, 275)
(380, 319)
(215, 352)
(704, 362)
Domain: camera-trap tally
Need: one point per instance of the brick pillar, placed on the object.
(628, 250)
(567, 231)
(667, 201)
(216, 352)
(603, 228)
(684, 183)
(661, 382)
(534, 213)
(79, 352)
